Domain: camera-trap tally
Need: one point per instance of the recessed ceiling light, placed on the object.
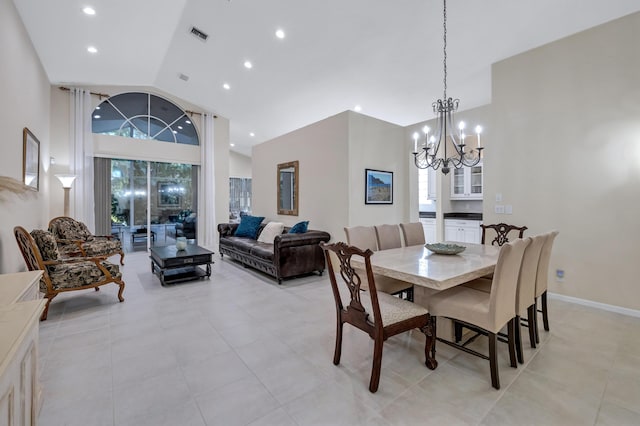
(89, 10)
(187, 121)
(248, 64)
(92, 49)
(180, 127)
(280, 33)
(232, 144)
(97, 107)
(252, 134)
(96, 116)
(226, 86)
(357, 108)
(174, 132)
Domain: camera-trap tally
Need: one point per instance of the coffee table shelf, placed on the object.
(173, 266)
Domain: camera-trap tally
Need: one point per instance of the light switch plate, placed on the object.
(499, 209)
(508, 209)
(498, 197)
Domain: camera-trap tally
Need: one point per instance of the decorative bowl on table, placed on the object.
(444, 248)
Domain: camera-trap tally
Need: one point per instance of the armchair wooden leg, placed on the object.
(49, 298)
(121, 284)
(429, 345)
(97, 288)
(511, 340)
(493, 361)
(122, 258)
(377, 364)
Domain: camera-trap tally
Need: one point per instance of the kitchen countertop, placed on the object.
(431, 215)
(468, 216)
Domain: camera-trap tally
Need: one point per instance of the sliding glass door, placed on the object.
(153, 202)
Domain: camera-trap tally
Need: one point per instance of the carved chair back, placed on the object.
(502, 231)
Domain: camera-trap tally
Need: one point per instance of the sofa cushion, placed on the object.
(263, 251)
(270, 232)
(299, 228)
(249, 226)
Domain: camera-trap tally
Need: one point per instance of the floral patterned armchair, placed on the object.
(75, 239)
(40, 252)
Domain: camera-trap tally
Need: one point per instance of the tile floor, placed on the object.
(240, 350)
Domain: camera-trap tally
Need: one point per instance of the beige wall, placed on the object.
(321, 149)
(239, 165)
(24, 103)
(333, 155)
(565, 152)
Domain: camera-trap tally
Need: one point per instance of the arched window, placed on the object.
(144, 116)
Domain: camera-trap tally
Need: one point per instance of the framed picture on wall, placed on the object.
(169, 194)
(378, 187)
(30, 160)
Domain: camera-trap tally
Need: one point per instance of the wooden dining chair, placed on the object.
(502, 231)
(542, 278)
(486, 312)
(364, 237)
(378, 314)
(413, 234)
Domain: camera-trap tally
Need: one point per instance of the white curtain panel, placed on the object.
(207, 195)
(81, 156)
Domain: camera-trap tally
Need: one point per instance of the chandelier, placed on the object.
(434, 152)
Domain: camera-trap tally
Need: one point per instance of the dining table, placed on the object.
(422, 267)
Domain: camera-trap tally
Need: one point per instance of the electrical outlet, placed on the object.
(499, 209)
(560, 275)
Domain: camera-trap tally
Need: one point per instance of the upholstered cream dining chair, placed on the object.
(525, 296)
(541, 281)
(486, 312)
(413, 234)
(388, 237)
(364, 237)
(378, 314)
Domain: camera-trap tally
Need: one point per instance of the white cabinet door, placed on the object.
(466, 183)
(431, 184)
(462, 231)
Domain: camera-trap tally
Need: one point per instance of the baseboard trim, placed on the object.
(597, 305)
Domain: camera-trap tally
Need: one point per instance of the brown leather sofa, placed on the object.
(290, 255)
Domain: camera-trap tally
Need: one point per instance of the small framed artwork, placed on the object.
(30, 160)
(169, 194)
(378, 187)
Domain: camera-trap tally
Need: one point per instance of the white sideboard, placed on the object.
(19, 322)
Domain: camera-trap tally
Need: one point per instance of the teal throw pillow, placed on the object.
(249, 226)
(299, 228)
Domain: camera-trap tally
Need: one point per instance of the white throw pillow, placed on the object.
(270, 231)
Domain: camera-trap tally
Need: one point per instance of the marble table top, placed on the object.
(418, 265)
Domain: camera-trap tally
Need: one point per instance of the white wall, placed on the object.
(24, 103)
(565, 152)
(239, 165)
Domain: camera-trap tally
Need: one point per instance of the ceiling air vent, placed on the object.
(196, 32)
(183, 77)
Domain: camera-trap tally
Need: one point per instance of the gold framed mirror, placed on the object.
(288, 183)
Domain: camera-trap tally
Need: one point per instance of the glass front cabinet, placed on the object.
(466, 183)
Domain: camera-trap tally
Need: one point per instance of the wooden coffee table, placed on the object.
(173, 266)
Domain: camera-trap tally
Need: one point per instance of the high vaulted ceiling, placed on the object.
(384, 55)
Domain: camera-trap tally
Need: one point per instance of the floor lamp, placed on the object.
(66, 181)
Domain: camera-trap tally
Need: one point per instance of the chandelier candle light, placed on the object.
(430, 154)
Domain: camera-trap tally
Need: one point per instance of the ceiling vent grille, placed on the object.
(201, 35)
(183, 77)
